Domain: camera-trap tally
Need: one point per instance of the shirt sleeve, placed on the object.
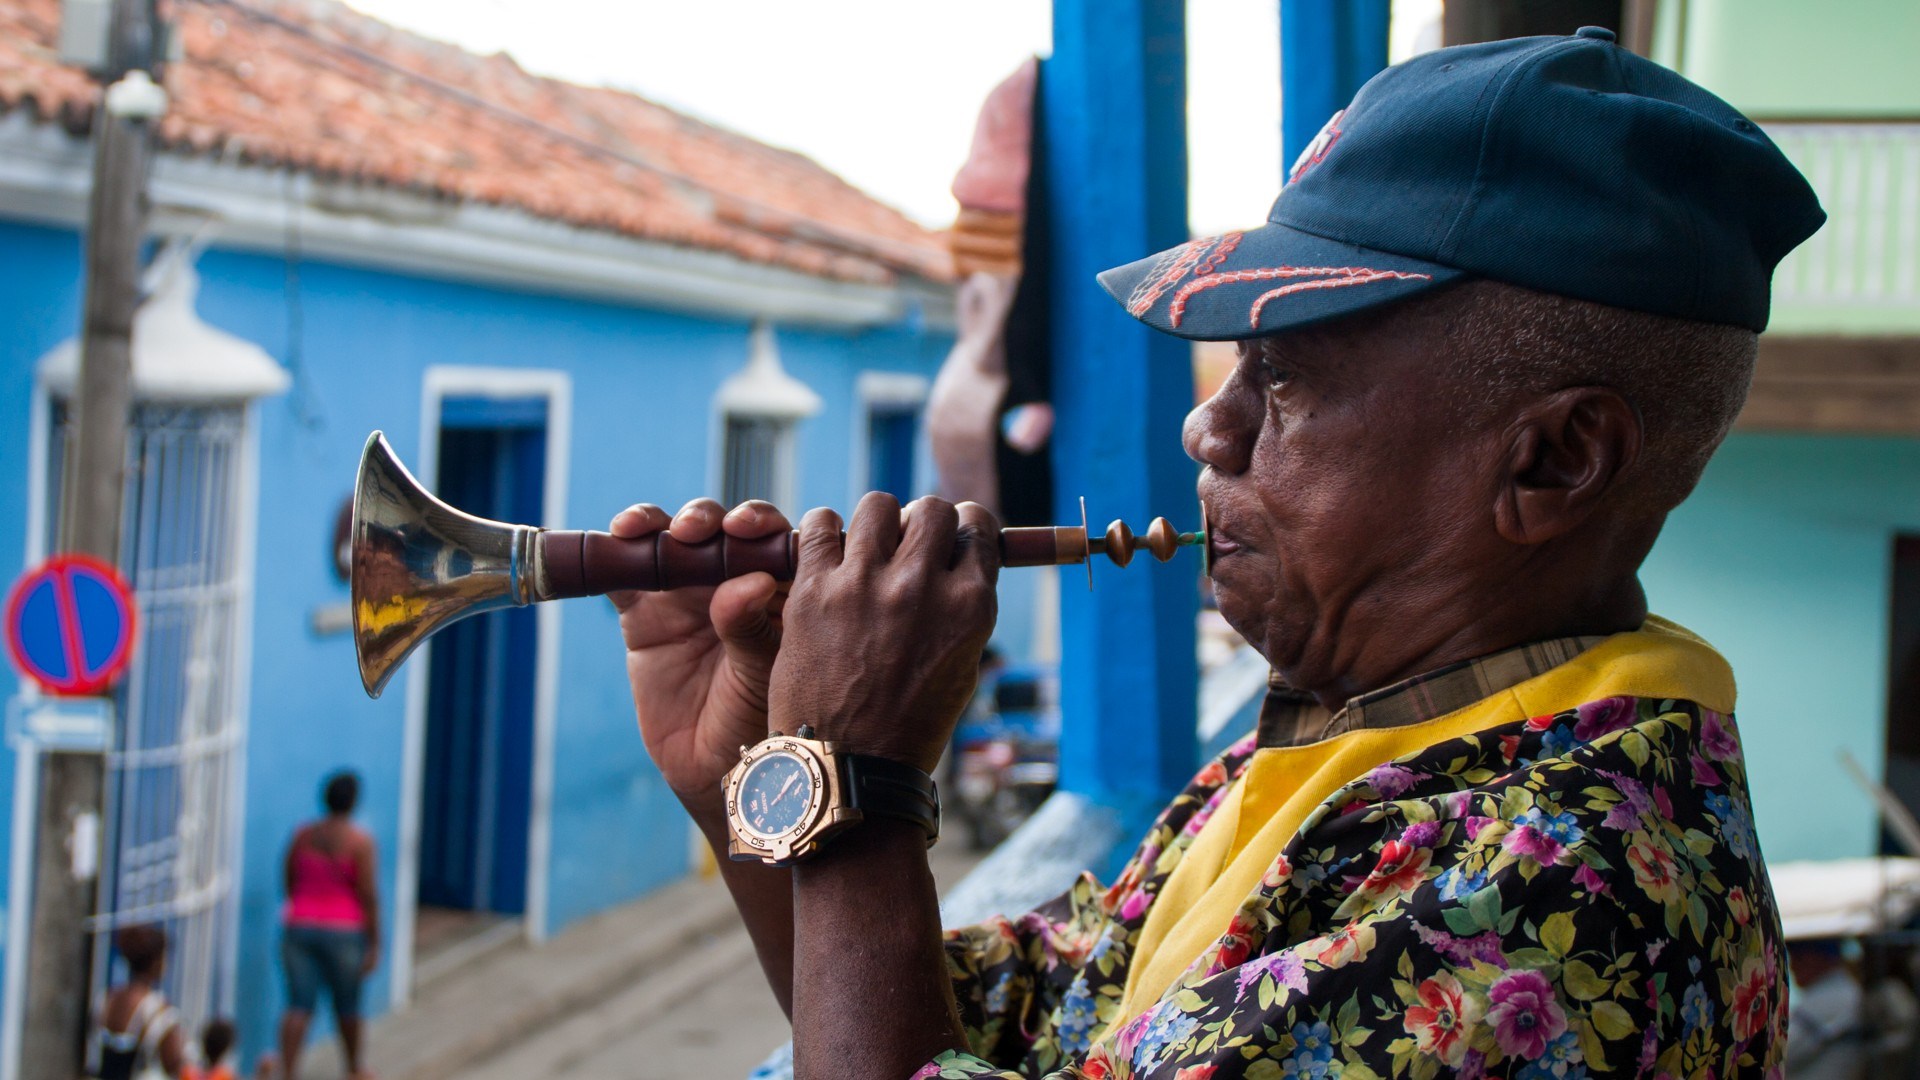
(1029, 988)
(1573, 920)
(954, 1065)
(1005, 972)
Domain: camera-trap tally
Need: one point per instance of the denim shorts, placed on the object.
(317, 957)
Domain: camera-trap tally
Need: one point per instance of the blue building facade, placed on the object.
(618, 402)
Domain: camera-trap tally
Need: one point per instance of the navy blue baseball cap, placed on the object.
(1563, 164)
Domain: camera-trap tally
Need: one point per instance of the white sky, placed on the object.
(883, 92)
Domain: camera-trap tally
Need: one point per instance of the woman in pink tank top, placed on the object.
(330, 938)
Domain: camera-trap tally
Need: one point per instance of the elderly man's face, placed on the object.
(1347, 502)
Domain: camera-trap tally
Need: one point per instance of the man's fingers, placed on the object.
(819, 540)
(753, 519)
(697, 521)
(744, 614)
(639, 520)
(929, 529)
(977, 541)
(875, 533)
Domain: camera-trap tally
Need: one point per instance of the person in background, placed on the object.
(216, 1043)
(331, 936)
(136, 1033)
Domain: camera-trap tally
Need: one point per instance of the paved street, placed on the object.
(663, 989)
(707, 1013)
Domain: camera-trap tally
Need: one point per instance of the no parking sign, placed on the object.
(69, 625)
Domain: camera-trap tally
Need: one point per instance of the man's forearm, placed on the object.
(764, 896)
(871, 993)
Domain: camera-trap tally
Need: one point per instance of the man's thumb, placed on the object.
(742, 615)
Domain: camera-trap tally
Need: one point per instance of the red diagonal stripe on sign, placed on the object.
(68, 610)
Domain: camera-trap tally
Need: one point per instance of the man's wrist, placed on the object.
(836, 731)
(889, 841)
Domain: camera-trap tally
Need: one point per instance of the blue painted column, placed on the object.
(1328, 50)
(1114, 100)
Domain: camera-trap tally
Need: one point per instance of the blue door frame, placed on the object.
(478, 780)
(892, 432)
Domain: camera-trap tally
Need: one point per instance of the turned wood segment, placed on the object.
(590, 563)
(1119, 543)
(1042, 546)
(1161, 540)
(578, 563)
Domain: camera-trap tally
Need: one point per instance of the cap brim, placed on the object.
(1263, 281)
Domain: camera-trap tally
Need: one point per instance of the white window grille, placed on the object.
(173, 816)
(171, 786)
(759, 460)
(1868, 178)
(760, 409)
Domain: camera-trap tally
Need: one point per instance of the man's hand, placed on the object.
(883, 637)
(699, 659)
(882, 650)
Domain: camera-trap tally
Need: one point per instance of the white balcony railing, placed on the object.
(1868, 255)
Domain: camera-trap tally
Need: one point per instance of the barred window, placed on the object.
(758, 460)
(172, 815)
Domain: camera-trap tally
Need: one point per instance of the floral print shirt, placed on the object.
(1567, 896)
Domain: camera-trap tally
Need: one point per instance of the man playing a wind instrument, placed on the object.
(1496, 822)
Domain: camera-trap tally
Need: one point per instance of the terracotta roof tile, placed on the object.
(316, 86)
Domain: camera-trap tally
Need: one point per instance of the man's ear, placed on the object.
(1565, 452)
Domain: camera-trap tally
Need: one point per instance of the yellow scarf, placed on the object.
(1282, 785)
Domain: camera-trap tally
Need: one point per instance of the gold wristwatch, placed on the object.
(791, 793)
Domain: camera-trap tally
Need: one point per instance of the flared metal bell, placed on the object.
(419, 564)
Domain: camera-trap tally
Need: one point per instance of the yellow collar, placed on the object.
(1221, 871)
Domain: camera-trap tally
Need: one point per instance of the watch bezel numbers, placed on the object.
(795, 840)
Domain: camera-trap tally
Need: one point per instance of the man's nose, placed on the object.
(1221, 430)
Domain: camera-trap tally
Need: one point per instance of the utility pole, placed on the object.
(72, 782)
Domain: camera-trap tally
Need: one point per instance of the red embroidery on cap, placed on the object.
(1316, 151)
(1172, 265)
(1196, 257)
(1363, 278)
(1333, 279)
(1219, 255)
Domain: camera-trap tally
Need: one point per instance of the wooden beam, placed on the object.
(64, 889)
(1835, 386)
(1637, 19)
(1465, 22)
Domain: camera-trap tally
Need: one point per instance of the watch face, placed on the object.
(775, 794)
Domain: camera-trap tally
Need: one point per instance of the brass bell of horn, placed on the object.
(419, 564)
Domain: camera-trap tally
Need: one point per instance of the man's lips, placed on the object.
(1220, 539)
(1221, 544)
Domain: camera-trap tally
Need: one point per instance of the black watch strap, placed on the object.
(878, 785)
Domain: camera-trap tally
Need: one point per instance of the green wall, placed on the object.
(1797, 58)
(1782, 559)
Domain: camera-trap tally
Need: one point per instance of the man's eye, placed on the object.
(1276, 376)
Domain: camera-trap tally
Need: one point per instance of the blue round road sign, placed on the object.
(70, 625)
